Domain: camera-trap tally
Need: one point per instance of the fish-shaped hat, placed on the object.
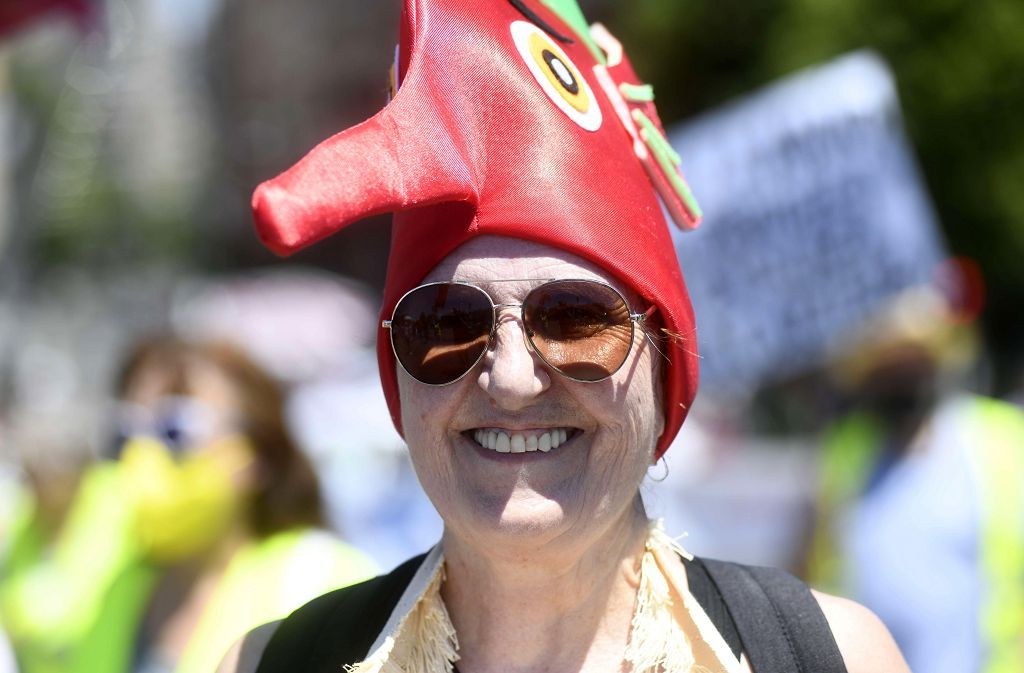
(512, 118)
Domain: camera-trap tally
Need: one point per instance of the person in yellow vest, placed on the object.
(921, 494)
(207, 524)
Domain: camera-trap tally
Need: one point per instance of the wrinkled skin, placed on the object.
(568, 498)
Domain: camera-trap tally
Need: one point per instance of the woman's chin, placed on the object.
(522, 517)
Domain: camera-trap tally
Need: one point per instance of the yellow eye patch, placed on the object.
(562, 76)
(557, 75)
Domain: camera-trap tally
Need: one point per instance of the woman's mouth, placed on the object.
(521, 441)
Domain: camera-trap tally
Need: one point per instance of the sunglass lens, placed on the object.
(582, 328)
(440, 331)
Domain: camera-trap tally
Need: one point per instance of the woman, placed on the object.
(543, 340)
(208, 496)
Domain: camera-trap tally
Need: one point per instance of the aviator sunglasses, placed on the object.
(583, 329)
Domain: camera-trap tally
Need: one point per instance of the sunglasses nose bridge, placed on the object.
(513, 374)
(504, 312)
(510, 316)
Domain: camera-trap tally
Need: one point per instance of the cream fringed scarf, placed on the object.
(670, 631)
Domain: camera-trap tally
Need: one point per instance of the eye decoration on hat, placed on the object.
(557, 75)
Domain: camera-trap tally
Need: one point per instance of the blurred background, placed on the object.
(858, 282)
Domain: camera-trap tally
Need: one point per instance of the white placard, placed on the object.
(815, 213)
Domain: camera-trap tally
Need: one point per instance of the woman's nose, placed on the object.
(513, 375)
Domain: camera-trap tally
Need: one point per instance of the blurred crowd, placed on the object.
(174, 434)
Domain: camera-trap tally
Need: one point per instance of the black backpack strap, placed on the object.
(780, 623)
(710, 598)
(337, 628)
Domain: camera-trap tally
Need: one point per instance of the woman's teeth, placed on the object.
(516, 442)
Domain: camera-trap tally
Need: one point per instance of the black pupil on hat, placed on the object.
(562, 72)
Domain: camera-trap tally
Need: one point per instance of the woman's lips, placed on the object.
(521, 441)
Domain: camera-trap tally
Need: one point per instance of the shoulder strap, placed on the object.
(337, 628)
(710, 598)
(780, 623)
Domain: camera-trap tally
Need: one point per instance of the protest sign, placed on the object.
(815, 214)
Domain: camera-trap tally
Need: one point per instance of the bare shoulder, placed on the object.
(244, 656)
(863, 640)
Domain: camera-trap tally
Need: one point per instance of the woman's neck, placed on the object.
(564, 610)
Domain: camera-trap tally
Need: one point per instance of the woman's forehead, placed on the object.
(499, 258)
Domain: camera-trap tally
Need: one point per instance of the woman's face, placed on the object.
(191, 408)
(571, 493)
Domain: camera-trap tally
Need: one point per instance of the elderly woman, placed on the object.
(537, 352)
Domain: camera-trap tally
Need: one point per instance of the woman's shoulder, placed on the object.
(781, 621)
(863, 640)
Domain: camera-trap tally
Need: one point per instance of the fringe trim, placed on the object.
(657, 534)
(424, 642)
(657, 643)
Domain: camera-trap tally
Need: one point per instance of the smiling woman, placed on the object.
(571, 495)
(528, 243)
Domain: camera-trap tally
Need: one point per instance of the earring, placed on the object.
(664, 476)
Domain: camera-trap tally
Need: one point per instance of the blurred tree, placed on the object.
(84, 196)
(285, 76)
(960, 71)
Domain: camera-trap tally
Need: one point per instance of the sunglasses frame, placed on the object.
(634, 320)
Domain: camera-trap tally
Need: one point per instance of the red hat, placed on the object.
(512, 119)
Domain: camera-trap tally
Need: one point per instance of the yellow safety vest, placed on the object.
(266, 581)
(849, 450)
(999, 459)
(79, 609)
(52, 605)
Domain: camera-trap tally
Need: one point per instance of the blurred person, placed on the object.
(535, 352)
(37, 486)
(315, 331)
(39, 491)
(921, 498)
(204, 523)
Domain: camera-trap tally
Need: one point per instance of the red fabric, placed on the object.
(472, 145)
(15, 13)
